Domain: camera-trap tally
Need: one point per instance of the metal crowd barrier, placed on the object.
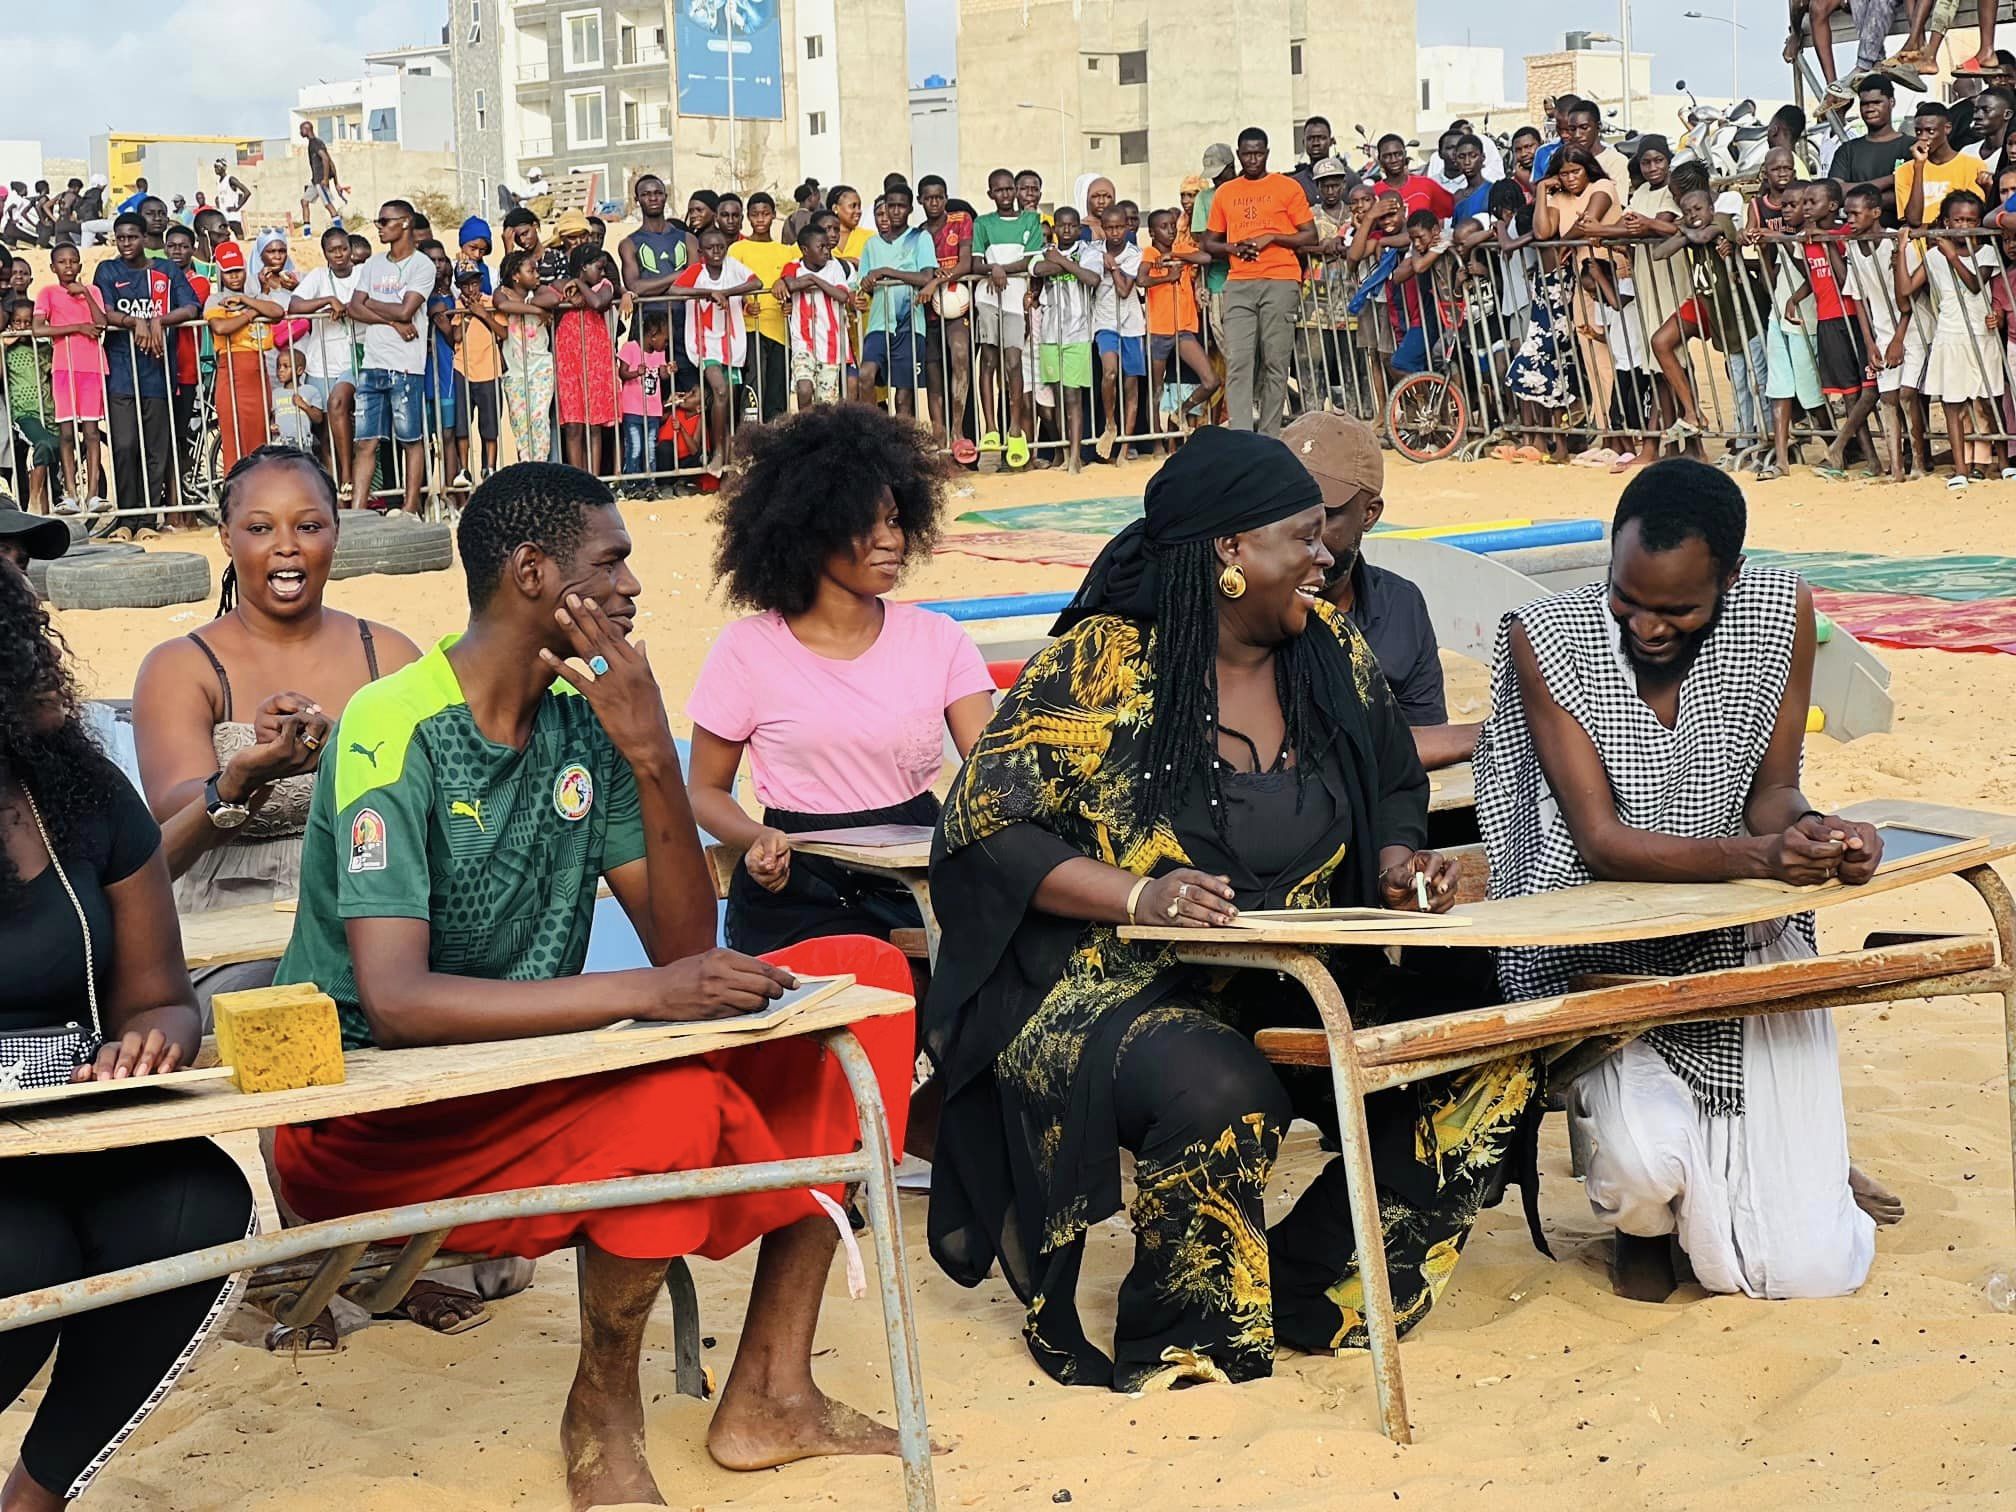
(1534, 344)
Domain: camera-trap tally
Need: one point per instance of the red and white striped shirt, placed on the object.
(712, 333)
(818, 324)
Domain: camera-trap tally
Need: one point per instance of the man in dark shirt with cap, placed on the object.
(1342, 455)
(27, 537)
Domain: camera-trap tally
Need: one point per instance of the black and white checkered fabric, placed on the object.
(1692, 780)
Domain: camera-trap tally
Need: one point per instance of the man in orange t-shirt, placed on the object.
(1259, 221)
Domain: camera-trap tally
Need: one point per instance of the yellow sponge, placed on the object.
(276, 1039)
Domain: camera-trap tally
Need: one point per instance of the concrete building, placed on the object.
(1136, 89)
(1580, 68)
(1463, 84)
(625, 87)
(934, 137)
(406, 97)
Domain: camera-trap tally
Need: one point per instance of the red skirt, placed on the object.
(784, 1099)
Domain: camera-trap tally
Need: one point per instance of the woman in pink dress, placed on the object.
(584, 359)
(71, 314)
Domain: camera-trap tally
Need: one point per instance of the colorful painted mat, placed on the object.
(1057, 548)
(1100, 517)
(1960, 578)
(1917, 623)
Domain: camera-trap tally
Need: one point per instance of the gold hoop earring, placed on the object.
(1232, 581)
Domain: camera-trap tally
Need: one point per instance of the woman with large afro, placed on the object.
(841, 696)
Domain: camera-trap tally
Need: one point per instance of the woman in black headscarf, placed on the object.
(1205, 735)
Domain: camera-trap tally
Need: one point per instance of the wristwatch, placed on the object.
(224, 815)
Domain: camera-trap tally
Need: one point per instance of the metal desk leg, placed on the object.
(304, 1307)
(1380, 1332)
(688, 1379)
(906, 1372)
(920, 889)
(389, 1290)
(2002, 909)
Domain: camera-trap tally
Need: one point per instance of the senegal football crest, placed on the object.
(573, 792)
(367, 841)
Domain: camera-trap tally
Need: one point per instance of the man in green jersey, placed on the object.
(462, 818)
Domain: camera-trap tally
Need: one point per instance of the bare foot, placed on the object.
(1875, 1199)
(1642, 1269)
(602, 1442)
(758, 1433)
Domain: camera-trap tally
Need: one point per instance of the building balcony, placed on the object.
(648, 55)
(534, 76)
(536, 147)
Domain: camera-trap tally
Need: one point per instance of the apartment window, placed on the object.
(1092, 65)
(1294, 57)
(482, 110)
(1134, 68)
(815, 47)
(1093, 144)
(815, 124)
(586, 123)
(1133, 146)
(475, 22)
(583, 32)
(384, 126)
(1425, 104)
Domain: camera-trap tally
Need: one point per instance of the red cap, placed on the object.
(229, 256)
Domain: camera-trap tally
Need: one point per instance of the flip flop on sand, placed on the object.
(440, 1309)
(315, 1337)
(1018, 450)
(964, 452)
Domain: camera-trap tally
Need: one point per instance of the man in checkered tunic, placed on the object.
(1649, 728)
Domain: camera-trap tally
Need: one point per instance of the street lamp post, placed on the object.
(1735, 26)
(1063, 142)
(1624, 70)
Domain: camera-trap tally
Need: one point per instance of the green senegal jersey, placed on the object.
(417, 816)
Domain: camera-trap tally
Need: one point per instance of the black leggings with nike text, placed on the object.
(65, 1217)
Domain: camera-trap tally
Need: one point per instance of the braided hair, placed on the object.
(1182, 738)
(234, 481)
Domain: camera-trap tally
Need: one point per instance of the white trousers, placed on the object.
(1760, 1202)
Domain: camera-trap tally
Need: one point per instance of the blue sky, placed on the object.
(228, 66)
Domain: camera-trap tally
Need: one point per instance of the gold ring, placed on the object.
(313, 742)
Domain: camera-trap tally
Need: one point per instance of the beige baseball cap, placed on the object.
(1341, 453)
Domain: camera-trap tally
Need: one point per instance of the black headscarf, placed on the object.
(1218, 483)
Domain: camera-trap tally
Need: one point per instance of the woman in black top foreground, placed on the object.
(69, 1216)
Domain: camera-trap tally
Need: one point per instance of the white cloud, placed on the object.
(201, 66)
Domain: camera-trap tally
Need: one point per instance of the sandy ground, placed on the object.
(1530, 1380)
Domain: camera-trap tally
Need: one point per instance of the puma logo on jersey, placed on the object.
(460, 810)
(371, 754)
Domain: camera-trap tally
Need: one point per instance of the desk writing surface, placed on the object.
(380, 1079)
(914, 856)
(1602, 912)
(1452, 787)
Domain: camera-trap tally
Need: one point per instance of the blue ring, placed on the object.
(599, 665)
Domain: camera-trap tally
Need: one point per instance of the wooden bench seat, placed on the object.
(1392, 1054)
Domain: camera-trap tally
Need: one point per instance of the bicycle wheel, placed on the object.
(1426, 417)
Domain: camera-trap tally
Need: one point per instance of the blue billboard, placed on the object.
(728, 58)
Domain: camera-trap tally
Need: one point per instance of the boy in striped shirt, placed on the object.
(813, 288)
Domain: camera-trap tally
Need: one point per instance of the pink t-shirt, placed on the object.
(630, 354)
(839, 737)
(58, 306)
